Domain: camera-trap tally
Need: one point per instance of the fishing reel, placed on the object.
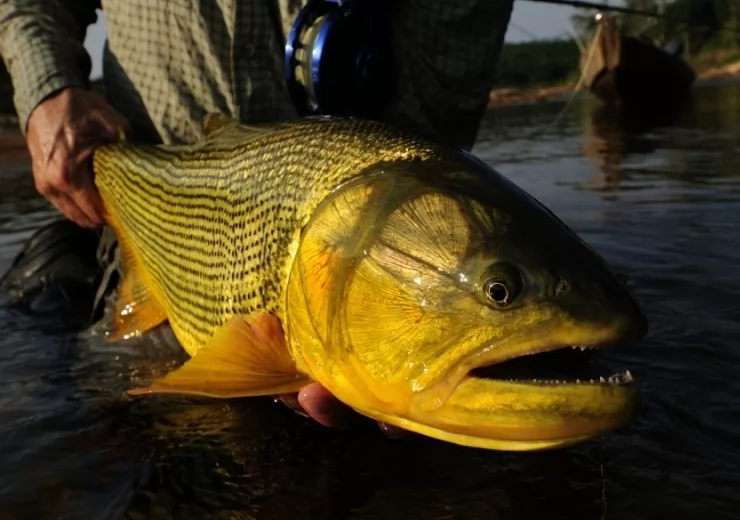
(338, 59)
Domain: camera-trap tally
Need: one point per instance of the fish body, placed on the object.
(382, 265)
(217, 223)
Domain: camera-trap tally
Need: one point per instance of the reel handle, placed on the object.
(338, 58)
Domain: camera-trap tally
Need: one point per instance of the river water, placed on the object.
(660, 200)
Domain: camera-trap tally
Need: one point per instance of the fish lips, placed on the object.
(535, 413)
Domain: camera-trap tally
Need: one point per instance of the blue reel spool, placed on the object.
(338, 60)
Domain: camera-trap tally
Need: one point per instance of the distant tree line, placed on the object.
(537, 63)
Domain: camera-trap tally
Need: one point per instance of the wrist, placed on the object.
(49, 93)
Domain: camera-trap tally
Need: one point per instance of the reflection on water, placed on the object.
(658, 197)
(614, 132)
(615, 136)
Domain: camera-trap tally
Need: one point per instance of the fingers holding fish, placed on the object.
(319, 404)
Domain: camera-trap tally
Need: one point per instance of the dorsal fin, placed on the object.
(213, 122)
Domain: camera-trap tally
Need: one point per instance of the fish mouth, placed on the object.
(524, 396)
(558, 365)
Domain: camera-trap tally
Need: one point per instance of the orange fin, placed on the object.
(243, 358)
(137, 309)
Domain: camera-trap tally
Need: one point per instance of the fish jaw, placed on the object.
(527, 415)
(536, 415)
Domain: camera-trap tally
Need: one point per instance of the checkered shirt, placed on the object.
(169, 62)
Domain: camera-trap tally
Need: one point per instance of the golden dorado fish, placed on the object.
(385, 267)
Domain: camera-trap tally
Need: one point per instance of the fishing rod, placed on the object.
(602, 7)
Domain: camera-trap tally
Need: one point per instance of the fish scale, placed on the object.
(217, 223)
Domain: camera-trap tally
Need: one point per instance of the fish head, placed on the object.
(413, 277)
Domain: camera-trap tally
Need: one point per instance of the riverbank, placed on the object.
(718, 65)
(510, 95)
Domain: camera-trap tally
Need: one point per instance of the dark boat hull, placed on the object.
(625, 70)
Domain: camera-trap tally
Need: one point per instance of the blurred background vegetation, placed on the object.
(709, 29)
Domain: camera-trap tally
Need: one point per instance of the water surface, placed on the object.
(659, 198)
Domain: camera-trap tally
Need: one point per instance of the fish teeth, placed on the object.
(616, 379)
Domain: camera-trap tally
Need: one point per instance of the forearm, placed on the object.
(41, 42)
(445, 54)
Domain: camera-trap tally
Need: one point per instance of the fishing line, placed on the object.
(631, 11)
(580, 81)
(574, 93)
(603, 481)
(522, 30)
(602, 7)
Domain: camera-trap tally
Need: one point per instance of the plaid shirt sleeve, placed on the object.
(41, 42)
(445, 53)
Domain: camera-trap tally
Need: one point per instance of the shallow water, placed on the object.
(659, 201)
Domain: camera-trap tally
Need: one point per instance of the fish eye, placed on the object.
(503, 284)
(497, 291)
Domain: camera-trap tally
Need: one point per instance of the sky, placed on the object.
(529, 21)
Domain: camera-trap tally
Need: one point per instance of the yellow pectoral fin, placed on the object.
(137, 311)
(242, 359)
(137, 308)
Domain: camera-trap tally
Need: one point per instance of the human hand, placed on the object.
(62, 133)
(317, 402)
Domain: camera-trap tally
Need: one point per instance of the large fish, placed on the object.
(383, 266)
